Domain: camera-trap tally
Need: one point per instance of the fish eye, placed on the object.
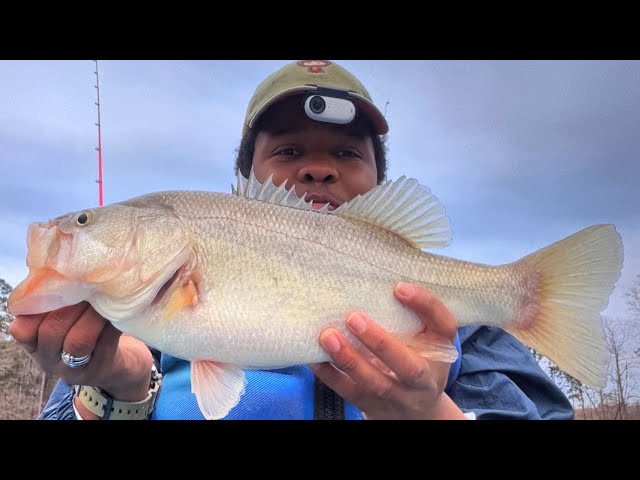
(84, 218)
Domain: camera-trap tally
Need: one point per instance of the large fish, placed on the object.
(249, 280)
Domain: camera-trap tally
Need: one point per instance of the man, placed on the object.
(313, 124)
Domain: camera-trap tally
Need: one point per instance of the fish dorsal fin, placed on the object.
(403, 206)
(252, 189)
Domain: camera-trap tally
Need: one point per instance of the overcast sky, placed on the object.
(521, 153)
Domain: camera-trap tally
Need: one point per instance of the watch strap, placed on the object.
(105, 407)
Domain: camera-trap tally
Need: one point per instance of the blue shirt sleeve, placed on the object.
(500, 378)
(60, 403)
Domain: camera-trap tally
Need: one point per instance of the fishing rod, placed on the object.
(99, 147)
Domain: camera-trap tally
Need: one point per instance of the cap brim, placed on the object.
(367, 108)
(371, 111)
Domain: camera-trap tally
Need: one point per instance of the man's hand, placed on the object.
(119, 364)
(399, 383)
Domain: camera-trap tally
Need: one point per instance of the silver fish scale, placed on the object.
(274, 277)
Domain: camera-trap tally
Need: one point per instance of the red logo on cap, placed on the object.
(314, 66)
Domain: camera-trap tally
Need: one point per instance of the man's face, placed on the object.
(327, 161)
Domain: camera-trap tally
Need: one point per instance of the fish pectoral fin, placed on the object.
(182, 297)
(217, 387)
(434, 347)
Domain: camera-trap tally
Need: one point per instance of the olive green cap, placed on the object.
(303, 76)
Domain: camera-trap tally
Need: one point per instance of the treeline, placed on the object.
(24, 386)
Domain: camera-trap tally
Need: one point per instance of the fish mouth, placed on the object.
(45, 290)
(321, 199)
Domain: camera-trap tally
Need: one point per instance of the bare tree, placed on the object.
(5, 316)
(633, 302)
(24, 386)
(633, 298)
(597, 403)
(619, 338)
(20, 383)
(613, 400)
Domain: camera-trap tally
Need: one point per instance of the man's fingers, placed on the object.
(83, 335)
(24, 330)
(53, 330)
(408, 366)
(355, 365)
(432, 311)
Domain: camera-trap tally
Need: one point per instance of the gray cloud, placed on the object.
(521, 153)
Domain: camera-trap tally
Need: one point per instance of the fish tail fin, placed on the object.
(574, 279)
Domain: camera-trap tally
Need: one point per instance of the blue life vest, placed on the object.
(282, 394)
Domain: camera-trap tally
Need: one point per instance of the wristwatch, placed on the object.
(100, 403)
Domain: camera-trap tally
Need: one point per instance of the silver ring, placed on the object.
(74, 362)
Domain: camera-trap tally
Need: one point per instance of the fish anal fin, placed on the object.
(217, 387)
(434, 347)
